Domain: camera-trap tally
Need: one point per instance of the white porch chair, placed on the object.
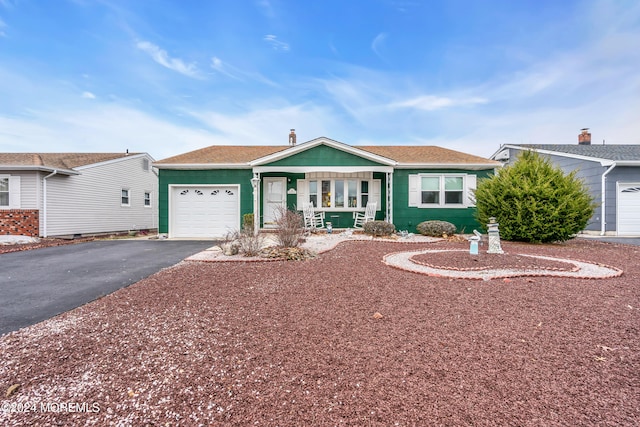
(312, 219)
(369, 214)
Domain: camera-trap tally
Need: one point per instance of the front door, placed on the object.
(275, 198)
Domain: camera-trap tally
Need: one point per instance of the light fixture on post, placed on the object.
(255, 181)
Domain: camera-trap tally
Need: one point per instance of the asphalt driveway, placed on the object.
(38, 284)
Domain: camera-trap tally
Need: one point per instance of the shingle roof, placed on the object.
(239, 154)
(57, 160)
(224, 154)
(415, 154)
(607, 152)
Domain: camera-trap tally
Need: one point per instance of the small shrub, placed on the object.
(250, 242)
(289, 228)
(245, 242)
(436, 228)
(379, 228)
(247, 220)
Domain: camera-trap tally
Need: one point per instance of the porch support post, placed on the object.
(255, 183)
(390, 197)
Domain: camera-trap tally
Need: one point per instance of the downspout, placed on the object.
(44, 201)
(603, 204)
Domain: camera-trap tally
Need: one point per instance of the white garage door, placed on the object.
(629, 209)
(204, 211)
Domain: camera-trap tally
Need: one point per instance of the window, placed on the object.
(339, 184)
(352, 193)
(313, 193)
(326, 194)
(453, 189)
(4, 192)
(125, 197)
(341, 193)
(147, 199)
(364, 193)
(434, 190)
(430, 190)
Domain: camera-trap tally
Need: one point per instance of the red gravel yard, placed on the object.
(341, 339)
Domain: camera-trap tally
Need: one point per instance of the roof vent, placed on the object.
(585, 137)
(292, 137)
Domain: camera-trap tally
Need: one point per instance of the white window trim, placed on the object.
(128, 204)
(14, 192)
(468, 184)
(150, 193)
(8, 178)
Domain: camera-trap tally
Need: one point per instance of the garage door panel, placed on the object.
(204, 211)
(628, 208)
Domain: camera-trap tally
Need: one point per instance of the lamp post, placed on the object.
(255, 181)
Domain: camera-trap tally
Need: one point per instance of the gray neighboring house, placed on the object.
(611, 172)
(76, 194)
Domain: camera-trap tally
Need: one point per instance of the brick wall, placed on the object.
(20, 222)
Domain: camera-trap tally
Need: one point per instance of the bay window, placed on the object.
(338, 193)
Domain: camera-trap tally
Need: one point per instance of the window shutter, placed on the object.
(414, 190)
(14, 192)
(374, 193)
(303, 193)
(471, 186)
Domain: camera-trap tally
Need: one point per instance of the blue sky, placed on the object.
(169, 76)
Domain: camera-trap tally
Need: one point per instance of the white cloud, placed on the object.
(100, 127)
(162, 57)
(432, 103)
(2, 27)
(230, 71)
(377, 44)
(269, 123)
(218, 65)
(88, 95)
(275, 43)
(267, 8)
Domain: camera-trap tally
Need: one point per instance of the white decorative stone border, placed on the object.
(584, 270)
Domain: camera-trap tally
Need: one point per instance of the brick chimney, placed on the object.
(585, 137)
(292, 137)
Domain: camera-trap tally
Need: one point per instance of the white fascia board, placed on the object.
(468, 166)
(38, 168)
(501, 149)
(603, 162)
(627, 162)
(306, 169)
(119, 159)
(201, 166)
(322, 141)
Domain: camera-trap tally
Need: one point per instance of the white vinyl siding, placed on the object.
(441, 190)
(92, 201)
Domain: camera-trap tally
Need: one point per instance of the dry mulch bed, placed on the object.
(301, 343)
(43, 243)
(462, 260)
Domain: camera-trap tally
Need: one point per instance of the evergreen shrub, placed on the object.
(534, 201)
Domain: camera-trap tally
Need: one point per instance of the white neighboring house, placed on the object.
(76, 194)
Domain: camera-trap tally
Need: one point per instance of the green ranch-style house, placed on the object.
(205, 193)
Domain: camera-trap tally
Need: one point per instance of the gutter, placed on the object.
(44, 200)
(603, 191)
